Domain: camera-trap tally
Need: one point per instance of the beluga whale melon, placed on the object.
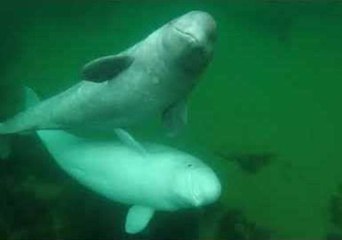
(153, 77)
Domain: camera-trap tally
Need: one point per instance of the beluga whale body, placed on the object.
(148, 178)
(153, 77)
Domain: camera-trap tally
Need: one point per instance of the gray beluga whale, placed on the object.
(154, 77)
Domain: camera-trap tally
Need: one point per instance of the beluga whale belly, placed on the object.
(154, 77)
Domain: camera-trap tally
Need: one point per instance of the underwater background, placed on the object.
(266, 116)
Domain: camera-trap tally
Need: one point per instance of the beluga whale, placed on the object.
(153, 77)
(147, 177)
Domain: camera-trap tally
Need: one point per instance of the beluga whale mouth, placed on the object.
(193, 191)
(197, 26)
(187, 35)
(205, 187)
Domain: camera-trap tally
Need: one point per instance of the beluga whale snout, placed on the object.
(206, 187)
(198, 185)
(198, 26)
(191, 39)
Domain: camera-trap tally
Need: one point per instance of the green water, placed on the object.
(274, 86)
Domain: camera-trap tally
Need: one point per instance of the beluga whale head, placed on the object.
(190, 40)
(195, 184)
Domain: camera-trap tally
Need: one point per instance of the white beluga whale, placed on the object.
(147, 177)
(154, 77)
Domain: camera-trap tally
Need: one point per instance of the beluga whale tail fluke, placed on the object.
(152, 78)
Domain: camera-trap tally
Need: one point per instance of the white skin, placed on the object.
(154, 76)
(160, 178)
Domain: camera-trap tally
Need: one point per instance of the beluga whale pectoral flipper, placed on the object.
(106, 68)
(153, 77)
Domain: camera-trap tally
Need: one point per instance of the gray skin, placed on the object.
(154, 77)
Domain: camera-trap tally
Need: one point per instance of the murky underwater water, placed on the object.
(266, 113)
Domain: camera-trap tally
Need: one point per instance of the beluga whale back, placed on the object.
(154, 77)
